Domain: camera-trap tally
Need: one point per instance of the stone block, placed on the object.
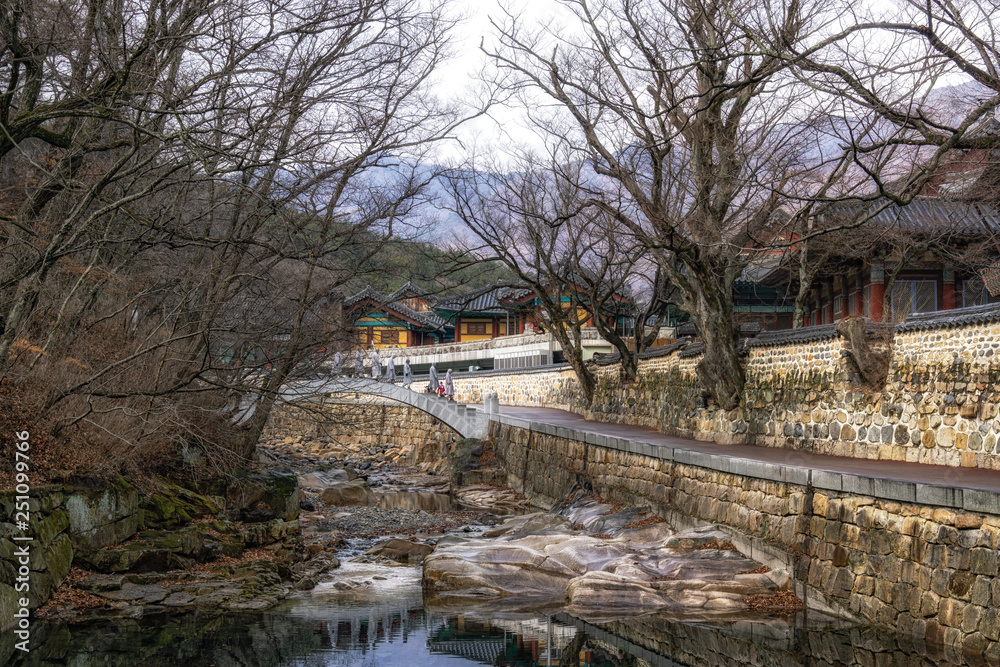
(989, 625)
(974, 500)
(941, 496)
(894, 490)
(831, 481)
(864, 486)
(984, 561)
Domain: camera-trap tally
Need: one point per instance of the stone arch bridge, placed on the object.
(467, 421)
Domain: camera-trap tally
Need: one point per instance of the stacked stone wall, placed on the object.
(939, 404)
(760, 643)
(926, 570)
(364, 421)
(556, 388)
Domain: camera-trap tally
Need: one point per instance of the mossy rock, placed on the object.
(157, 550)
(135, 557)
(100, 517)
(59, 558)
(275, 488)
(48, 528)
(174, 505)
(8, 603)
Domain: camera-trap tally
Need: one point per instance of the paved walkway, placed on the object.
(917, 473)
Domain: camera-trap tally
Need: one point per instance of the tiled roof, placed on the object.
(367, 293)
(942, 319)
(410, 288)
(692, 350)
(686, 329)
(484, 300)
(800, 335)
(989, 128)
(428, 318)
(929, 214)
(609, 358)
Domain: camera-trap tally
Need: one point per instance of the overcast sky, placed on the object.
(458, 77)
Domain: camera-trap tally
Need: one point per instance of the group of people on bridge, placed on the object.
(444, 389)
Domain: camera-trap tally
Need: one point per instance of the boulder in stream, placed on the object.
(633, 564)
(343, 494)
(403, 551)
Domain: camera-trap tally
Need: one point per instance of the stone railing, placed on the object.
(521, 346)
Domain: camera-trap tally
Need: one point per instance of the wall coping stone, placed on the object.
(943, 495)
(611, 358)
(692, 350)
(943, 319)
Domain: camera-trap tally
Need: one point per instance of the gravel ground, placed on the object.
(374, 521)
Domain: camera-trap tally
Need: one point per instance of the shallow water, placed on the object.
(381, 621)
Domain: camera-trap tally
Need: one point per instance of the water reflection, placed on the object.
(399, 632)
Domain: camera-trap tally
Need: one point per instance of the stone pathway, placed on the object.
(900, 471)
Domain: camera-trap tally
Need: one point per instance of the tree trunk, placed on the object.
(799, 314)
(629, 358)
(720, 370)
(574, 357)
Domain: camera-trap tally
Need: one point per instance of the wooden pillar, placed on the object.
(948, 300)
(876, 292)
(371, 336)
(458, 329)
(859, 295)
(496, 328)
(845, 297)
(831, 316)
(411, 338)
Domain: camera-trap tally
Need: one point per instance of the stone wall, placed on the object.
(549, 387)
(939, 404)
(662, 642)
(913, 558)
(362, 421)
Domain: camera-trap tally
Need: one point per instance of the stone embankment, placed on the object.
(357, 432)
(120, 549)
(857, 548)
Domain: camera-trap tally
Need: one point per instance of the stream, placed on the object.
(373, 612)
(385, 624)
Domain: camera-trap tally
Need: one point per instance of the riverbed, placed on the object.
(374, 611)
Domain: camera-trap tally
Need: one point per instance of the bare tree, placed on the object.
(251, 157)
(523, 219)
(694, 130)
